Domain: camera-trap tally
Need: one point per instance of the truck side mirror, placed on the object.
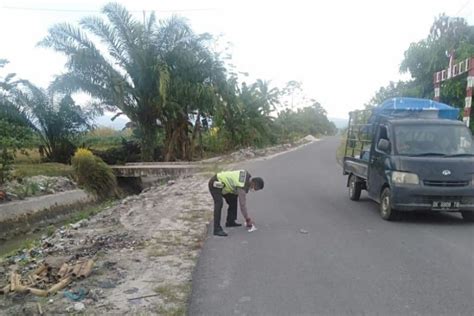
(384, 145)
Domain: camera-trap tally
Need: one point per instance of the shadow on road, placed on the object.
(418, 217)
(437, 218)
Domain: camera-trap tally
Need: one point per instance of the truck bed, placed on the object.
(356, 166)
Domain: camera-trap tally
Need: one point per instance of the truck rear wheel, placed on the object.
(355, 188)
(468, 216)
(386, 210)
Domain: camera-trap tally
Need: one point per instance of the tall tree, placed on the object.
(394, 89)
(310, 120)
(57, 120)
(15, 130)
(422, 59)
(245, 115)
(293, 94)
(156, 74)
(195, 71)
(131, 76)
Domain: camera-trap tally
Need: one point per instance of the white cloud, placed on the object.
(342, 51)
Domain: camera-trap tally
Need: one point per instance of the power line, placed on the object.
(99, 11)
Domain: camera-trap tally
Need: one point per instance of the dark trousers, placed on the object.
(218, 198)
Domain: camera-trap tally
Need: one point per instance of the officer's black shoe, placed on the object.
(234, 224)
(220, 233)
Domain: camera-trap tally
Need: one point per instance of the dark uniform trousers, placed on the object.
(218, 198)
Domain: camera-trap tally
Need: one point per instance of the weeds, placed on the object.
(159, 251)
(26, 189)
(94, 174)
(174, 298)
(50, 230)
(26, 244)
(89, 211)
(23, 170)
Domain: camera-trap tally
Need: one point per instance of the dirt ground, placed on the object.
(145, 245)
(144, 249)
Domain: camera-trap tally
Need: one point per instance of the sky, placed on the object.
(342, 51)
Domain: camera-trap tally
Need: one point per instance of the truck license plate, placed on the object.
(442, 205)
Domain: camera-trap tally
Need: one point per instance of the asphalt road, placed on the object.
(350, 261)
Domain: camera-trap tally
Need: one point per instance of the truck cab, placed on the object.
(424, 163)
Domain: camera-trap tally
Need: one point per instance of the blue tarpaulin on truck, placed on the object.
(411, 108)
(416, 108)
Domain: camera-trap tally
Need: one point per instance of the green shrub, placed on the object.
(6, 161)
(103, 138)
(128, 151)
(216, 141)
(94, 174)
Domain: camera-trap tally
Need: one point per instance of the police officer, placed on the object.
(232, 186)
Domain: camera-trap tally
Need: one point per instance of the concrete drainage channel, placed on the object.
(24, 220)
(20, 209)
(27, 219)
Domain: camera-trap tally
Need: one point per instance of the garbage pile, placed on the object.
(46, 279)
(22, 188)
(60, 259)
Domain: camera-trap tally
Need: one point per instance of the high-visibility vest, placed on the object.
(232, 180)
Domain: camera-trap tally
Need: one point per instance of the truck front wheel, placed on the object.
(468, 216)
(355, 188)
(386, 210)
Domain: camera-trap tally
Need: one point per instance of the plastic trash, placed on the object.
(252, 229)
(75, 295)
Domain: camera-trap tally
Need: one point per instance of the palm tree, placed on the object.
(258, 102)
(57, 120)
(270, 97)
(15, 133)
(156, 74)
(9, 109)
(246, 112)
(131, 76)
(194, 73)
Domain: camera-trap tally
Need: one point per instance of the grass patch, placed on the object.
(90, 211)
(52, 169)
(28, 156)
(104, 138)
(50, 230)
(172, 311)
(174, 298)
(174, 293)
(159, 251)
(168, 243)
(29, 244)
(26, 244)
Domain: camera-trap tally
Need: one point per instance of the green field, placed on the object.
(51, 169)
